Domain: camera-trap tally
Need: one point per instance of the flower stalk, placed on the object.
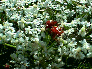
(9, 45)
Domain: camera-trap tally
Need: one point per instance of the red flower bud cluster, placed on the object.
(53, 28)
(6, 66)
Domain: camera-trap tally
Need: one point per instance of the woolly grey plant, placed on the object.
(23, 27)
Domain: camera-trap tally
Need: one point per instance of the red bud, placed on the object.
(56, 32)
(50, 23)
(6, 66)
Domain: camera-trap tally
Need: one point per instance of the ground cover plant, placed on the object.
(45, 34)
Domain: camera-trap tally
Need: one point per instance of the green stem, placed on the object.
(10, 45)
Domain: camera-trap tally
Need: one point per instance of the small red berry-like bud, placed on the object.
(50, 23)
(6, 66)
(54, 23)
(56, 31)
(53, 29)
